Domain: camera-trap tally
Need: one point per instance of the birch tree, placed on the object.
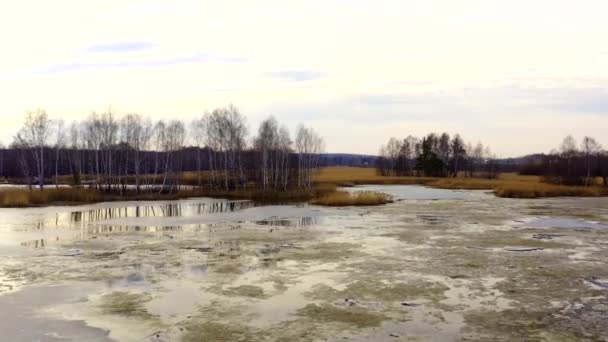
(199, 130)
(35, 135)
(60, 138)
(308, 146)
(589, 147)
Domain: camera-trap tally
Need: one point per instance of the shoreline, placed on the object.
(327, 181)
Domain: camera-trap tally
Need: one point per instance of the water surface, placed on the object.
(437, 265)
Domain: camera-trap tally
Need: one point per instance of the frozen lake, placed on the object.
(436, 265)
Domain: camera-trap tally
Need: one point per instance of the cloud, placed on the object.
(120, 47)
(189, 59)
(493, 106)
(296, 75)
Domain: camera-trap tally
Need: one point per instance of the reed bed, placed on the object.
(510, 185)
(324, 192)
(355, 198)
(18, 197)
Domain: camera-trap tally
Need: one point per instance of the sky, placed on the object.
(517, 75)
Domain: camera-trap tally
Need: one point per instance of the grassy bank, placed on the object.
(18, 198)
(323, 193)
(510, 185)
(357, 198)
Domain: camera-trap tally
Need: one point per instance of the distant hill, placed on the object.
(530, 158)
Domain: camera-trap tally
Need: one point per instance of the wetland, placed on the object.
(433, 265)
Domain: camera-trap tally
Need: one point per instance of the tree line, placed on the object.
(435, 155)
(572, 163)
(111, 152)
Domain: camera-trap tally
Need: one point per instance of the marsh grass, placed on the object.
(357, 198)
(35, 197)
(510, 185)
(17, 197)
(520, 190)
(324, 192)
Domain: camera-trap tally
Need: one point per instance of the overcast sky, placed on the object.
(518, 75)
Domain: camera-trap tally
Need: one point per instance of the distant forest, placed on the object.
(436, 156)
(107, 151)
(571, 163)
(442, 156)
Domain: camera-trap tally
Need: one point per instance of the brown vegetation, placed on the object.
(15, 197)
(509, 185)
(357, 198)
(324, 192)
(523, 190)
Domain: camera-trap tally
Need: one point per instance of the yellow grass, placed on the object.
(536, 190)
(510, 185)
(357, 198)
(348, 176)
(17, 197)
(506, 185)
(36, 197)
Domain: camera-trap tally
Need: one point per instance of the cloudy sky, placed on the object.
(518, 75)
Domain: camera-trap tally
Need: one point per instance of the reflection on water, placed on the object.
(91, 222)
(107, 229)
(297, 222)
(162, 210)
(82, 218)
(38, 243)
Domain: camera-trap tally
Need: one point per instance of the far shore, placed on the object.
(327, 180)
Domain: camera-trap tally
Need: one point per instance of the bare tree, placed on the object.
(589, 147)
(265, 144)
(22, 147)
(476, 158)
(393, 147)
(444, 151)
(302, 144)
(137, 133)
(170, 138)
(109, 139)
(409, 153)
(226, 135)
(77, 148)
(284, 151)
(308, 146)
(236, 125)
(111, 151)
(459, 154)
(60, 138)
(568, 150)
(34, 135)
(199, 132)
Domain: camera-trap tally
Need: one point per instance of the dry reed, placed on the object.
(356, 198)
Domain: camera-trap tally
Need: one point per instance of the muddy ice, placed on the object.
(436, 265)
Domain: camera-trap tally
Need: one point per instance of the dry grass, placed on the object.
(536, 190)
(510, 185)
(269, 196)
(36, 197)
(506, 185)
(16, 197)
(357, 198)
(349, 176)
